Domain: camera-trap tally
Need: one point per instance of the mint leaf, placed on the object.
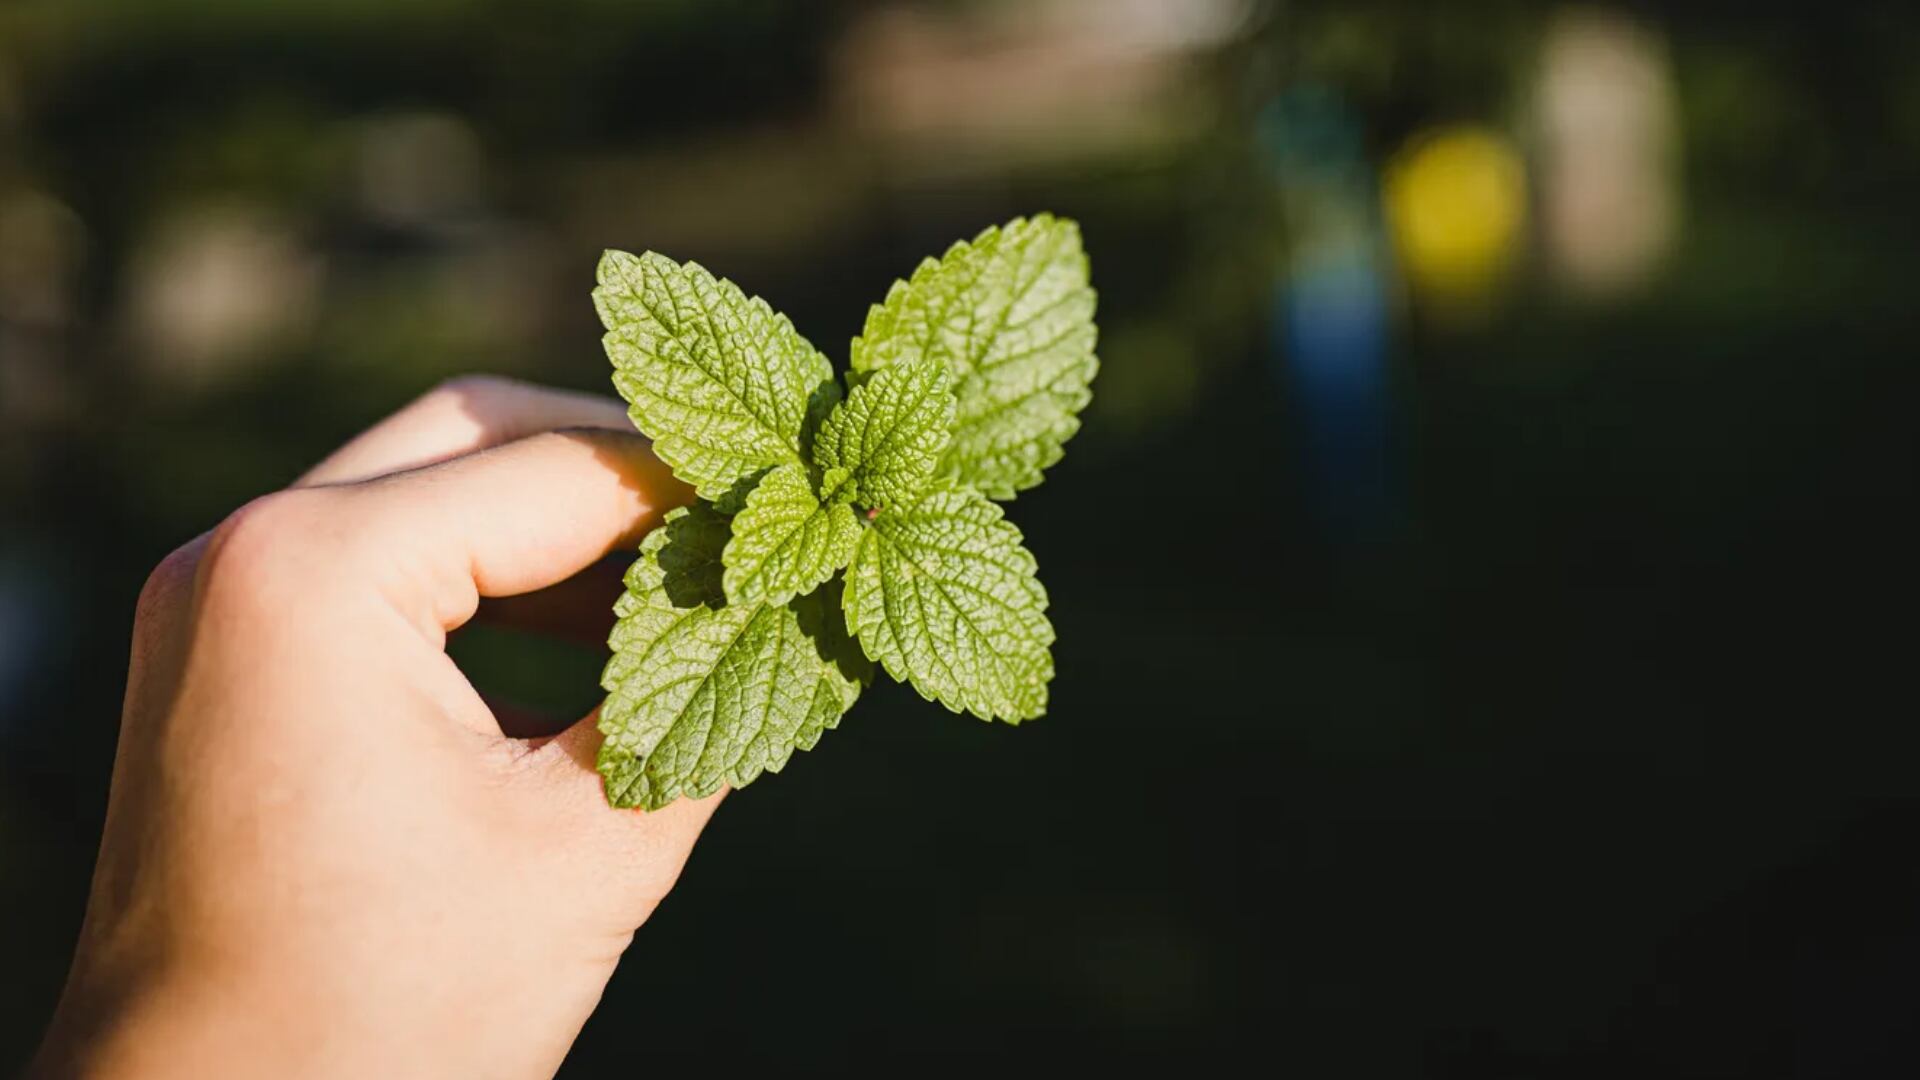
(702, 692)
(944, 596)
(722, 384)
(838, 486)
(1011, 317)
(889, 433)
(785, 541)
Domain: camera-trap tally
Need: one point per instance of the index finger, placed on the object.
(457, 417)
(508, 520)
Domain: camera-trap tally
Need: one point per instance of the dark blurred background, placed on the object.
(1479, 579)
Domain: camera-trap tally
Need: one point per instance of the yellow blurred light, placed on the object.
(1456, 203)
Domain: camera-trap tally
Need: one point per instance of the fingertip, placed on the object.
(568, 764)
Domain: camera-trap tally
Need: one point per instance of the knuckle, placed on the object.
(265, 522)
(170, 578)
(260, 547)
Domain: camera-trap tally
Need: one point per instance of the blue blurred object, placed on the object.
(1331, 336)
(25, 607)
(1331, 342)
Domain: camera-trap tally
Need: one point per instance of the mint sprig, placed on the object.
(835, 531)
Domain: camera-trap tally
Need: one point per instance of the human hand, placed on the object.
(322, 855)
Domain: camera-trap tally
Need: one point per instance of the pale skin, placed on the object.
(323, 856)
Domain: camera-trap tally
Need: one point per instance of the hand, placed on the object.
(323, 856)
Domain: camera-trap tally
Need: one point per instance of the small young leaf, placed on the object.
(837, 485)
(889, 433)
(784, 541)
(1011, 316)
(702, 692)
(943, 594)
(723, 385)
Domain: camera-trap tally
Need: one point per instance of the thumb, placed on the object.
(644, 849)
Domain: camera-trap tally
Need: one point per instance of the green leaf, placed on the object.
(784, 541)
(889, 433)
(943, 594)
(839, 486)
(723, 385)
(702, 692)
(1011, 316)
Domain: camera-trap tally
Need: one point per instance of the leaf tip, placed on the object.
(613, 262)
